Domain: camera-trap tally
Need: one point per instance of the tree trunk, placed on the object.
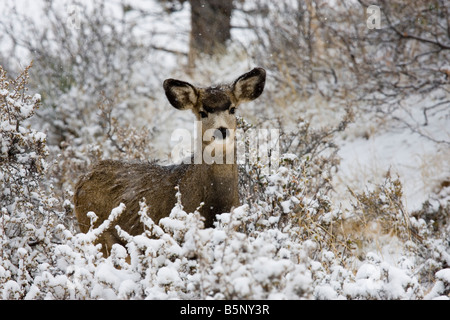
(210, 27)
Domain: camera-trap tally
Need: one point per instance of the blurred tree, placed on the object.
(210, 26)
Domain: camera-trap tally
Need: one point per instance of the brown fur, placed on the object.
(110, 183)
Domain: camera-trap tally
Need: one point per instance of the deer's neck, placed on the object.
(216, 185)
(223, 175)
(221, 192)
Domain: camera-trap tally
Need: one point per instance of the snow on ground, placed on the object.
(421, 163)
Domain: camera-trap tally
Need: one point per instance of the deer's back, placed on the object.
(113, 182)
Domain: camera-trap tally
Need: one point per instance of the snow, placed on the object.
(166, 276)
(420, 163)
(444, 275)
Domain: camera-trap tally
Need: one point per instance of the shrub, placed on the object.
(27, 211)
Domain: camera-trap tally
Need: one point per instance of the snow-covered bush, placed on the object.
(379, 217)
(286, 247)
(27, 211)
(246, 256)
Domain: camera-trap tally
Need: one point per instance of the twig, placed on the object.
(425, 110)
(169, 50)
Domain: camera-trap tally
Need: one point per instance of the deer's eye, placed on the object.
(232, 110)
(203, 114)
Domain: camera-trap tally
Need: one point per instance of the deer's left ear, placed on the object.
(250, 85)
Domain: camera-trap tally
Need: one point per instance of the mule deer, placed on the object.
(215, 184)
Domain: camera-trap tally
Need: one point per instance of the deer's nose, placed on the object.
(223, 132)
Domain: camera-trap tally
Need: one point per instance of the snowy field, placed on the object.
(369, 237)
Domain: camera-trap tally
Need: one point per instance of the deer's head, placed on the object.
(215, 106)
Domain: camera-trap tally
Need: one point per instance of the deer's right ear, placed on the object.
(181, 95)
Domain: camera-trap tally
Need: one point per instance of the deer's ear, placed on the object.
(250, 85)
(181, 95)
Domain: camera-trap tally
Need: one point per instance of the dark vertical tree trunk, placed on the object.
(210, 26)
